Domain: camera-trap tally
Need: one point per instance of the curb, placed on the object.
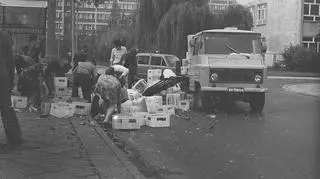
(288, 88)
(119, 154)
(293, 78)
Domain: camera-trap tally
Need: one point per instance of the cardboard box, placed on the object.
(82, 108)
(124, 121)
(19, 102)
(158, 120)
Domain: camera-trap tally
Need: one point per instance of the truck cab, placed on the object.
(227, 64)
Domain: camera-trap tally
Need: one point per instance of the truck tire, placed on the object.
(200, 100)
(257, 101)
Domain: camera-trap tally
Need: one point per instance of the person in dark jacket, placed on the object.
(7, 65)
(55, 68)
(84, 76)
(129, 60)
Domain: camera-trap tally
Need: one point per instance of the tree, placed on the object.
(115, 14)
(173, 20)
(238, 16)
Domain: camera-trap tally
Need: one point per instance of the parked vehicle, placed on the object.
(148, 61)
(227, 64)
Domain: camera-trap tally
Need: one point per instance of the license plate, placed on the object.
(236, 90)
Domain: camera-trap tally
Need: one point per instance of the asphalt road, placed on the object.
(280, 143)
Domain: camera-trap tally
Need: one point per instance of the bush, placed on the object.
(301, 59)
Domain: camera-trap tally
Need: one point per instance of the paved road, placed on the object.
(280, 143)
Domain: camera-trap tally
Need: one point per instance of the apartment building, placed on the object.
(218, 6)
(285, 22)
(89, 18)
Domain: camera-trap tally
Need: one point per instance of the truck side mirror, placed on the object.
(178, 67)
(192, 43)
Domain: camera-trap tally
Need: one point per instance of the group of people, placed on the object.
(36, 80)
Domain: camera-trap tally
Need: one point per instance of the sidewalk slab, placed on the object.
(50, 150)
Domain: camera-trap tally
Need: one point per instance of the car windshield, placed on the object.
(171, 60)
(226, 43)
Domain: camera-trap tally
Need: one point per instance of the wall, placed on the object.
(284, 24)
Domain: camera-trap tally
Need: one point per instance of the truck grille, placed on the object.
(236, 75)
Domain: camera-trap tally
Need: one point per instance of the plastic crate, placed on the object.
(62, 110)
(141, 117)
(173, 99)
(45, 108)
(133, 94)
(60, 82)
(140, 86)
(158, 120)
(153, 103)
(124, 122)
(19, 102)
(82, 108)
(184, 105)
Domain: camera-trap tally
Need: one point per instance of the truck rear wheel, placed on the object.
(257, 101)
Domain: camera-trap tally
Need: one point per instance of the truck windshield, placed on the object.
(226, 43)
(171, 60)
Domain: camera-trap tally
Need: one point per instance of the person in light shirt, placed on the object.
(121, 73)
(117, 53)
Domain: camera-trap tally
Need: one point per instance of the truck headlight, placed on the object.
(258, 78)
(214, 77)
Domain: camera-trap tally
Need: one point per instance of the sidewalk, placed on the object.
(311, 89)
(63, 149)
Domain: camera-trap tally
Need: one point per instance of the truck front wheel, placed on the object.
(257, 101)
(202, 100)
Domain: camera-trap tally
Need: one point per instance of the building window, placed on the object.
(310, 42)
(262, 14)
(311, 10)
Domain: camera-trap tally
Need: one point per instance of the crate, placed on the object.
(19, 102)
(62, 94)
(153, 76)
(62, 110)
(153, 103)
(82, 108)
(168, 109)
(60, 82)
(173, 99)
(140, 86)
(133, 94)
(158, 120)
(174, 89)
(125, 107)
(45, 108)
(154, 72)
(141, 117)
(184, 105)
(124, 121)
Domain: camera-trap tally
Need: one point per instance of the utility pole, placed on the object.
(73, 28)
(50, 35)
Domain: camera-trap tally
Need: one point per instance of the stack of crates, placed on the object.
(61, 89)
(153, 76)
